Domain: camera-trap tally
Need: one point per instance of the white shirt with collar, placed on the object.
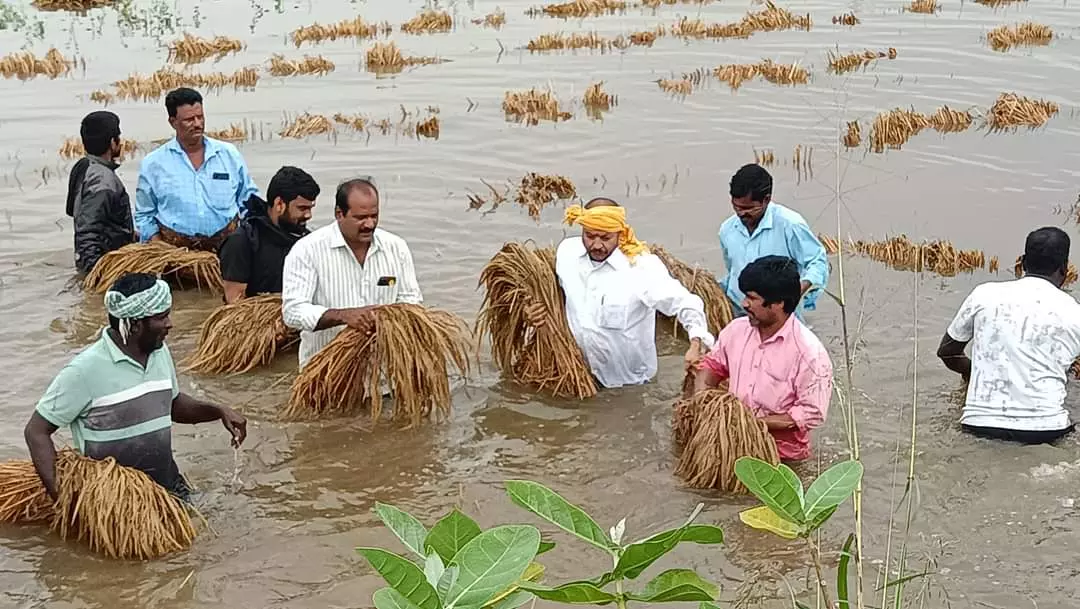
(611, 308)
(1024, 335)
(321, 272)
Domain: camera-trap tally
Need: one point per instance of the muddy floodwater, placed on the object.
(994, 524)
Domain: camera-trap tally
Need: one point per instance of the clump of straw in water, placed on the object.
(279, 66)
(714, 429)
(735, 74)
(997, 3)
(646, 38)
(178, 264)
(894, 128)
(428, 127)
(429, 22)
(411, 347)
(118, 511)
(853, 137)
(702, 283)
(765, 158)
(773, 18)
(233, 133)
(23, 499)
(76, 6)
(157, 84)
(697, 29)
(26, 65)
(72, 148)
(348, 28)
(532, 106)
(560, 41)
(597, 100)
(676, 86)
(580, 8)
(492, 20)
(1005, 37)
(306, 125)
(923, 6)
(1011, 111)
(783, 74)
(947, 120)
(387, 57)
(1071, 275)
(192, 49)
(852, 61)
(239, 337)
(939, 257)
(537, 191)
(546, 358)
(845, 19)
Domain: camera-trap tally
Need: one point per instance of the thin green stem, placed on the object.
(910, 492)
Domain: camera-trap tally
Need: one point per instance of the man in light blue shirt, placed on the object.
(192, 189)
(763, 228)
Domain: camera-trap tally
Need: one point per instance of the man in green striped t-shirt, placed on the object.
(120, 396)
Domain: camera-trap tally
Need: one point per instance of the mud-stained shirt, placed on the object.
(1024, 335)
(117, 408)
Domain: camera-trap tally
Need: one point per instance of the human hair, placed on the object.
(291, 182)
(129, 284)
(341, 197)
(775, 279)
(1046, 251)
(181, 97)
(600, 202)
(98, 130)
(753, 180)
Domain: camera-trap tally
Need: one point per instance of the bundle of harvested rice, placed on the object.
(532, 106)
(579, 8)
(1011, 111)
(192, 49)
(702, 283)
(845, 19)
(923, 6)
(72, 148)
(547, 358)
(846, 63)
(348, 28)
(429, 22)
(894, 128)
(493, 20)
(118, 511)
(765, 158)
(1005, 37)
(23, 499)
(241, 336)
(598, 100)
(306, 125)
(714, 429)
(537, 191)
(411, 347)
(939, 257)
(676, 86)
(947, 120)
(387, 57)
(26, 65)
(853, 137)
(177, 264)
(280, 66)
(76, 6)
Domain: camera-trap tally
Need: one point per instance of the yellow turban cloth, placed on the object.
(608, 219)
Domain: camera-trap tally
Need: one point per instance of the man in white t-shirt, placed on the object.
(1025, 335)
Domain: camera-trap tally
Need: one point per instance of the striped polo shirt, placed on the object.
(321, 273)
(117, 408)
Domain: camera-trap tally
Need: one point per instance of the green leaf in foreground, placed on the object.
(403, 576)
(677, 585)
(704, 534)
(773, 488)
(832, 487)
(548, 505)
(450, 534)
(407, 528)
(573, 593)
(388, 598)
(489, 563)
(545, 546)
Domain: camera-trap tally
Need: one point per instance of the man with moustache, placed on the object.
(773, 363)
(120, 396)
(192, 189)
(253, 257)
(614, 286)
(337, 275)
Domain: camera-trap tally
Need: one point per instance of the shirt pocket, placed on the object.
(221, 189)
(776, 385)
(614, 311)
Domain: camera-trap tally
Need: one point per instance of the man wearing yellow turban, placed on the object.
(614, 286)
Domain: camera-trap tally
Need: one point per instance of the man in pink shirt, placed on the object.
(773, 363)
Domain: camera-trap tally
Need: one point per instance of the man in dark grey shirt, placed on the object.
(96, 198)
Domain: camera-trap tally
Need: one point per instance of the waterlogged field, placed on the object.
(950, 124)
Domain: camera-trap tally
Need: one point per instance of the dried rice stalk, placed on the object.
(102, 97)
(545, 358)
(597, 100)
(1011, 111)
(782, 73)
(279, 66)
(560, 41)
(118, 511)
(532, 106)
(939, 257)
(1071, 276)
(679, 86)
(429, 22)
(703, 283)
(894, 128)
(923, 6)
(23, 499)
(852, 61)
(853, 137)
(26, 65)
(1029, 34)
(735, 74)
(646, 38)
(537, 191)
(997, 3)
(157, 84)
(765, 158)
(75, 6)
(714, 429)
(492, 20)
(72, 148)
(411, 347)
(192, 49)
(306, 125)
(947, 120)
(845, 19)
(697, 29)
(348, 28)
(428, 128)
(772, 19)
(386, 57)
(235, 132)
(176, 264)
(355, 122)
(240, 337)
(579, 8)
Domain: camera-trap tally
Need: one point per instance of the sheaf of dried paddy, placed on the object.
(939, 256)
(192, 49)
(579, 8)
(429, 22)
(307, 124)
(349, 28)
(997, 3)
(853, 136)
(72, 148)
(597, 98)
(770, 19)
(75, 6)
(840, 64)
(532, 106)
(923, 6)
(765, 158)
(428, 127)
(1028, 34)
(492, 20)
(777, 73)
(676, 86)
(386, 57)
(280, 66)
(845, 19)
(1012, 111)
(25, 65)
(893, 128)
(561, 41)
(153, 86)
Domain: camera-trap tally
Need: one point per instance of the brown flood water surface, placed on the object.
(994, 522)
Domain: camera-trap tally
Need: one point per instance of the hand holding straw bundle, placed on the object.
(239, 337)
(411, 347)
(547, 357)
(156, 258)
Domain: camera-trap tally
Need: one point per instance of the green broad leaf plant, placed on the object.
(457, 565)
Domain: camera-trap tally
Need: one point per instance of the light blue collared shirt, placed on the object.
(171, 192)
(781, 232)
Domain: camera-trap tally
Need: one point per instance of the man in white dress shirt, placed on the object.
(338, 274)
(1025, 334)
(614, 287)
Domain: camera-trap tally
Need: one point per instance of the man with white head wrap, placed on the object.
(120, 396)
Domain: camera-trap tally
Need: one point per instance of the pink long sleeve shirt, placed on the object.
(790, 373)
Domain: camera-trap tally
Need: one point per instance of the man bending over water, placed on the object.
(1025, 334)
